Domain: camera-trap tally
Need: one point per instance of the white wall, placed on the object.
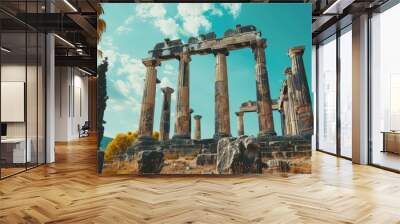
(14, 73)
(34, 125)
(71, 102)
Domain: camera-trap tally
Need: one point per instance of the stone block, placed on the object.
(150, 161)
(206, 159)
(238, 155)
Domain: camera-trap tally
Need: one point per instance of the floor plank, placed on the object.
(70, 191)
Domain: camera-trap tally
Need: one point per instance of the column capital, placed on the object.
(197, 117)
(288, 71)
(224, 51)
(151, 62)
(299, 50)
(184, 57)
(239, 114)
(167, 90)
(259, 43)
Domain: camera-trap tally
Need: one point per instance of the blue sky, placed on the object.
(133, 29)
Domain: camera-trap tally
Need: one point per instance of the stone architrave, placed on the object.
(149, 94)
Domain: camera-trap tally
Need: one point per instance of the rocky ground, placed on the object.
(242, 155)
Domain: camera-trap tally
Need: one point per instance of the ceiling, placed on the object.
(74, 22)
(331, 15)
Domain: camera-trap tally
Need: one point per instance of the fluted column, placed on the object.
(165, 114)
(301, 92)
(148, 100)
(190, 121)
(197, 127)
(290, 110)
(283, 128)
(240, 124)
(222, 121)
(264, 104)
(182, 118)
(287, 120)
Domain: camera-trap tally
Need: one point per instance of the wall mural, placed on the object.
(207, 88)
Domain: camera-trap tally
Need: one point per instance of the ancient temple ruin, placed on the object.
(294, 103)
(241, 37)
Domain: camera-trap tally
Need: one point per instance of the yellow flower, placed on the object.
(121, 142)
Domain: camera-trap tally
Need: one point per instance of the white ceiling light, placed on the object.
(86, 72)
(332, 8)
(338, 6)
(65, 41)
(70, 5)
(5, 50)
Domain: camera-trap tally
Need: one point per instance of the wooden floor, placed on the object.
(70, 191)
(386, 159)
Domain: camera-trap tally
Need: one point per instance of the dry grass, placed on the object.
(176, 164)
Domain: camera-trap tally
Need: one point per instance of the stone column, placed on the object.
(290, 104)
(282, 113)
(287, 122)
(182, 118)
(240, 124)
(148, 100)
(197, 127)
(301, 91)
(264, 104)
(190, 121)
(165, 114)
(222, 121)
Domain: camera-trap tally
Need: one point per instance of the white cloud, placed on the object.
(233, 8)
(122, 87)
(129, 20)
(127, 104)
(134, 71)
(168, 27)
(151, 10)
(216, 11)
(193, 17)
(109, 50)
(136, 83)
(133, 104)
(125, 27)
(115, 105)
(165, 82)
(168, 69)
(111, 55)
(130, 66)
(156, 12)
